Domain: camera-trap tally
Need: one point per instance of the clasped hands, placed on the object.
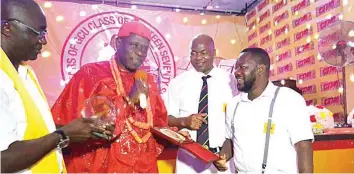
(139, 87)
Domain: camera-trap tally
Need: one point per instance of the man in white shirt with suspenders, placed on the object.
(267, 127)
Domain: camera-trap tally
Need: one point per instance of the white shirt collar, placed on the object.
(268, 92)
(213, 73)
(22, 71)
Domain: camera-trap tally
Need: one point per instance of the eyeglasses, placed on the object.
(41, 34)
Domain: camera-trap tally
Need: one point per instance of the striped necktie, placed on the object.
(203, 133)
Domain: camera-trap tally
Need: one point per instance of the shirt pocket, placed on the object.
(188, 103)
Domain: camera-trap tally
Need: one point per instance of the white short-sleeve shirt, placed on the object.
(13, 117)
(247, 128)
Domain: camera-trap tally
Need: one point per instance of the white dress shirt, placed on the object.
(182, 100)
(13, 117)
(290, 124)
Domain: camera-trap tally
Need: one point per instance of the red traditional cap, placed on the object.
(136, 28)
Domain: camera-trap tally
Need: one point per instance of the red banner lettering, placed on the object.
(279, 5)
(304, 48)
(301, 20)
(303, 4)
(305, 62)
(283, 43)
(308, 89)
(327, 7)
(285, 68)
(304, 33)
(306, 75)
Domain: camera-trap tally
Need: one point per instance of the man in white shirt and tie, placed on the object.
(196, 101)
(261, 112)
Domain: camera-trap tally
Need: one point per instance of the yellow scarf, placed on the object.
(36, 126)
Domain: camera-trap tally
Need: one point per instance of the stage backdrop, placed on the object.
(81, 33)
(289, 31)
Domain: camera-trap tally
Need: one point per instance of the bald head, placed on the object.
(205, 40)
(202, 53)
(23, 25)
(18, 9)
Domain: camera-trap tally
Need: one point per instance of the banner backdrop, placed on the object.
(81, 33)
(289, 31)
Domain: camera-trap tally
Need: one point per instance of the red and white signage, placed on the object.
(304, 48)
(301, 20)
(327, 7)
(279, 5)
(308, 89)
(303, 4)
(304, 33)
(284, 56)
(261, 5)
(283, 43)
(266, 39)
(331, 85)
(282, 30)
(281, 17)
(305, 62)
(325, 71)
(311, 102)
(331, 101)
(252, 36)
(285, 68)
(264, 16)
(264, 28)
(309, 75)
(325, 23)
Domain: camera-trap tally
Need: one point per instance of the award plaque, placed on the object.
(102, 110)
(191, 146)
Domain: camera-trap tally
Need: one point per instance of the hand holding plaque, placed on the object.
(184, 142)
(103, 111)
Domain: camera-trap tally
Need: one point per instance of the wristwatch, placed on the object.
(64, 140)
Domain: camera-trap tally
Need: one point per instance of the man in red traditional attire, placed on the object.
(133, 149)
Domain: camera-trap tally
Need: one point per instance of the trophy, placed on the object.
(102, 110)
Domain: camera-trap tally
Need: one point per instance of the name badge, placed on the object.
(224, 107)
(271, 128)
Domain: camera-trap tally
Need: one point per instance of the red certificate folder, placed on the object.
(194, 148)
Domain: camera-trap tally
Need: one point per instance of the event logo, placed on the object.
(327, 7)
(325, 71)
(304, 33)
(279, 5)
(284, 56)
(282, 30)
(266, 39)
(311, 102)
(308, 89)
(304, 48)
(331, 101)
(252, 36)
(285, 68)
(301, 20)
(283, 43)
(309, 75)
(264, 16)
(331, 85)
(263, 4)
(327, 22)
(305, 62)
(281, 18)
(303, 4)
(264, 28)
(90, 42)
